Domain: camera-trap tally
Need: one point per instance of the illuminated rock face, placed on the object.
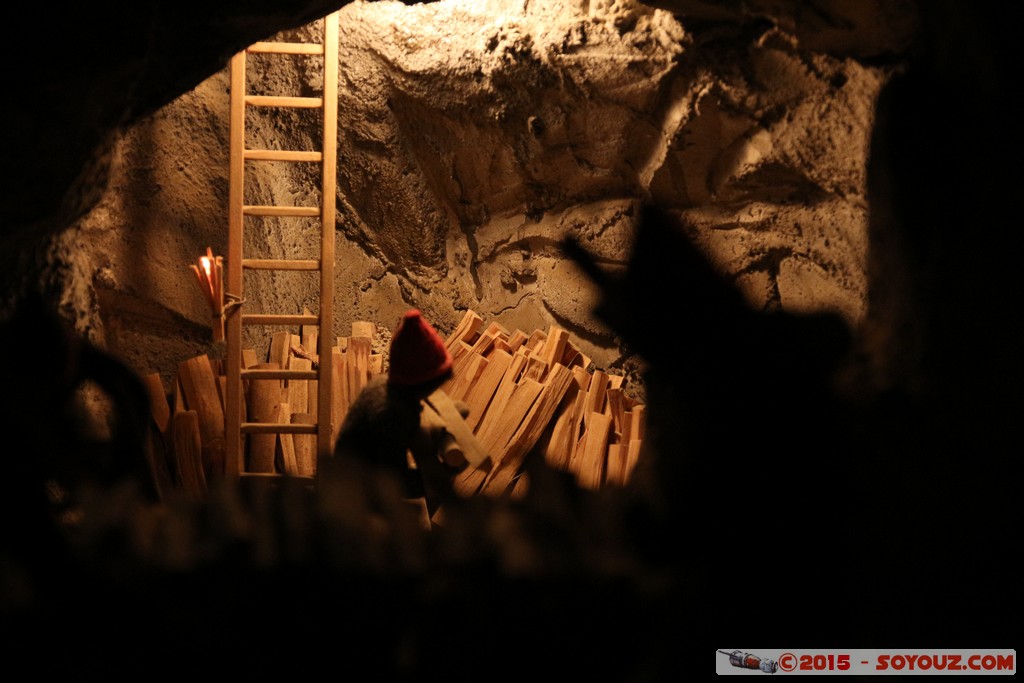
(473, 137)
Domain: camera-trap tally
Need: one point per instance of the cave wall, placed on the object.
(471, 140)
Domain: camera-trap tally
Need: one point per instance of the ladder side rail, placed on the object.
(327, 215)
(234, 461)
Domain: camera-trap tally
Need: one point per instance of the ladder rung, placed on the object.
(280, 374)
(282, 155)
(277, 428)
(281, 101)
(287, 48)
(266, 319)
(311, 211)
(280, 264)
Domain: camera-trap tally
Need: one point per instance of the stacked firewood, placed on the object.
(527, 394)
(538, 394)
(188, 428)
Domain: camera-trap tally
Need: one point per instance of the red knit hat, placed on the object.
(418, 354)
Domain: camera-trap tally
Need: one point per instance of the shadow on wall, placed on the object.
(784, 501)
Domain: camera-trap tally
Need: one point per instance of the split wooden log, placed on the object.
(595, 449)
(506, 386)
(188, 453)
(462, 383)
(479, 395)
(515, 410)
(285, 455)
(160, 465)
(554, 346)
(632, 456)
(615, 465)
(510, 458)
(305, 446)
(465, 331)
(359, 365)
(264, 406)
(340, 398)
(364, 329)
(516, 340)
(298, 389)
(280, 349)
(201, 392)
(566, 431)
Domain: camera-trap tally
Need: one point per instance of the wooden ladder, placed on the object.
(236, 317)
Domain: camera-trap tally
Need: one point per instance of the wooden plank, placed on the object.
(282, 211)
(480, 394)
(596, 393)
(535, 340)
(616, 381)
(516, 340)
(305, 445)
(376, 364)
(188, 453)
(264, 406)
(468, 378)
(202, 394)
(281, 348)
(566, 431)
(472, 449)
(249, 358)
(341, 399)
(343, 344)
(359, 350)
(465, 330)
(615, 406)
(298, 389)
(160, 466)
(595, 452)
(308, 335)
(615, 474)
(516, 409)
(509, 460)
(362, 328)
(159, 408)
(638, 428)
(632, 456)
(467, 483)
(272, 373)
(506, 386)
(627, 427)
(285, 443)
(461, 360)
(554, 346)
(536, 368)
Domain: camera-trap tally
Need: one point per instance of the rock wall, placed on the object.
(472, 138)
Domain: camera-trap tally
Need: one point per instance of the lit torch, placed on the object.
(210, 273)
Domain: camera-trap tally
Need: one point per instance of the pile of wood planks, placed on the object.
(537, 393)
(188, 430)
(528, 394)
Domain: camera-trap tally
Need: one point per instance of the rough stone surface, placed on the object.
(472, 138)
